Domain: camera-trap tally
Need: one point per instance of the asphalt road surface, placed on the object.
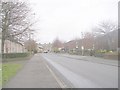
(80, 73)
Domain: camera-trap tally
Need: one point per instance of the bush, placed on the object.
(101, 51)
(111, 55)
(35, 51)
(14, 55)
(56, 50)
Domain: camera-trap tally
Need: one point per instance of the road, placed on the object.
(79, 73)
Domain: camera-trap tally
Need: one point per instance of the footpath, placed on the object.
(34, 74)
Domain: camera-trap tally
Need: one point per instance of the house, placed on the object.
(13, 47)
(73, 45)
(47, 47)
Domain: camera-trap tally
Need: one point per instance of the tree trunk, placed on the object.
(2, 47)
(109, 43)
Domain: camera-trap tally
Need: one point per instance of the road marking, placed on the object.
(76, 80)
(60, 82)
(80, 81)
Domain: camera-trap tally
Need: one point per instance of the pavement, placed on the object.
(84, 72)
(35, 74)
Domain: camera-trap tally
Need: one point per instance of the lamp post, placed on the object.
(76, 47)
(82, 47)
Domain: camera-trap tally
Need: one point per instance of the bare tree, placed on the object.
(88, 40)
(31, 45)
(105, 28)
(56, 44)
(15, 20)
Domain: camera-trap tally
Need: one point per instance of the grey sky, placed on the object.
(66, 19)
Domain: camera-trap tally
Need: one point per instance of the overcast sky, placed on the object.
(66, 19)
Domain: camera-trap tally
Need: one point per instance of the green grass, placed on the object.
(8, 71)
(10, 67)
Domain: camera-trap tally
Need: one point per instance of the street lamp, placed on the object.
(82, 47)
(76, 47)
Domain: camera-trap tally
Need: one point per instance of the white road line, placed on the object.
(61, 83)
(77, 80)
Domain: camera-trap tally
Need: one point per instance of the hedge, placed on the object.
(14, 55)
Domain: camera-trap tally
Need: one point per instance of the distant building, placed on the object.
(39, 48)
(47, 47)
(13, 47)
(108, 41)
(73, 45)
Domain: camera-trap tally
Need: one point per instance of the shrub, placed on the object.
(14, 55)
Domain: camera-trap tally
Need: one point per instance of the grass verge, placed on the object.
(10, 67)
(8, 71)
